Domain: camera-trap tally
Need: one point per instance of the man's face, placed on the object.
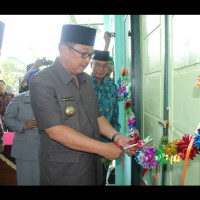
(76, 64)
(99, 68)
(2, 88)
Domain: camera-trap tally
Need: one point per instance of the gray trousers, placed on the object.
(28, 172)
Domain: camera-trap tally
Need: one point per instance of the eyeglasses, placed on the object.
(83, 54)
(97, 65)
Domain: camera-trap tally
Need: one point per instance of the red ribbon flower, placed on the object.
(182, 146)
(127, 105)
(134, 139)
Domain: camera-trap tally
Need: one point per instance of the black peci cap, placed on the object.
(2, 27)
(78, 34)
(101, 55)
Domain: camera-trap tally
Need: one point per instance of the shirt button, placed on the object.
(85, 106)
(91, 120)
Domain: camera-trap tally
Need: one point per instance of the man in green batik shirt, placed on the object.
(106, 94)
(106, 90)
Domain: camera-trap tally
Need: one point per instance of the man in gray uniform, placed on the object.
(68, 116)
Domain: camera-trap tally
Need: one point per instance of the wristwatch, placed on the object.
(114, 136)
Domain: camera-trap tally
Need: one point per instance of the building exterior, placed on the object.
(161, 56)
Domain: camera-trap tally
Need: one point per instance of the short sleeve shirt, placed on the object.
(52, 90)
(107, 98)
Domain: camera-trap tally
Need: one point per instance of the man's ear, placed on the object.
(63, 49)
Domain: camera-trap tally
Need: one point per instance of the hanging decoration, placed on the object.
(147, 156)
(198, 82)
(124, 92)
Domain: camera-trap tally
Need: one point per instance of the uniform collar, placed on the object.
(82, 77)
(104, 81)
(65, 76)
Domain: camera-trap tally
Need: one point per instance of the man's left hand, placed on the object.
(125, 141)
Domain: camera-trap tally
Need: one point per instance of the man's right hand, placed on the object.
(37, 64)
(30, 124)
(111, 151)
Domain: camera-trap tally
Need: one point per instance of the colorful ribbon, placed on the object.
(120, 146)
(152, 176)
(186, 160)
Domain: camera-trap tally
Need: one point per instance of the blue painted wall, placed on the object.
(123, 175)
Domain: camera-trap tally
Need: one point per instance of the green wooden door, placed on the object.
(178, 51)
(184, 97)
(152, 77)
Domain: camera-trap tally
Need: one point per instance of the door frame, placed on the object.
(136, 88)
